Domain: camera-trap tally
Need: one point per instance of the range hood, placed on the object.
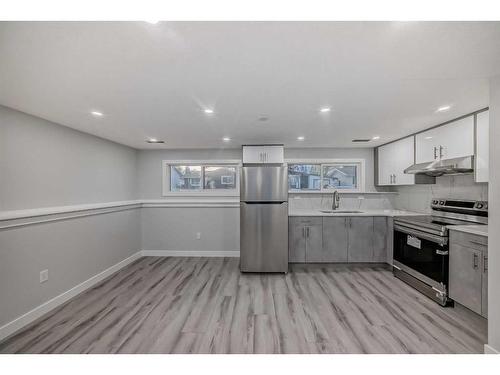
(460, 165)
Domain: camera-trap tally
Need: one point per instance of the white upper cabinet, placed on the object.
(449, 141)
(385, 164)
(482, 146)
(393, 159)
(263, 154)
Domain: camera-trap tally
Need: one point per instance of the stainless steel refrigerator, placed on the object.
(264, 219)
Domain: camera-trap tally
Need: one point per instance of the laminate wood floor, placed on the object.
(205, 305)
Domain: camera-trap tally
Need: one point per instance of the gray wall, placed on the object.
(175, 228)
(149, 163)
(169, 228)
(44, 164)
(494, 219)
(72, 250)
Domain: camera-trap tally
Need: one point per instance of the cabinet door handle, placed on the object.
(485, 264)
(441, 148)
(304, 232)
(474, 261)
(307, 231)
(435, 152)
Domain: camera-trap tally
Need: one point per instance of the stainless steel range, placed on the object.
(421, 244)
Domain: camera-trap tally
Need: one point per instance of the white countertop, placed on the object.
(317, 212)
(481, 230)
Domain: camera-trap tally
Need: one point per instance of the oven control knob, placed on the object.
(434, 201)
(441, 202)
(479, 206)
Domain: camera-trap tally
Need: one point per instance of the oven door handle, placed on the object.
(426, 236)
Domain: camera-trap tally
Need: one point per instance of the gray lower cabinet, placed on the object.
(305, 237)
(360, 248)
(465, 277)
(296, 240)
(314, 242)
(335, 240)
(484, 294)
(468, 280)
(339, 239)
(380, 239)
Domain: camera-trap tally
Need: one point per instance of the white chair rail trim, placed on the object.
(18, 218)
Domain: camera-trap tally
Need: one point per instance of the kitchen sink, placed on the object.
(341, 211)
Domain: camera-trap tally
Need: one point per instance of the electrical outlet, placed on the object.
(198, 235)
(44, 276)
(360, 197)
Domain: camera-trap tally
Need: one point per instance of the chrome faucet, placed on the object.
(335, 200)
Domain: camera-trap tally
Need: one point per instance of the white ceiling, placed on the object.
(380, 78)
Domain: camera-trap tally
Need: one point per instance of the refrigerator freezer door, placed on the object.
(264, 184)
(264, 237)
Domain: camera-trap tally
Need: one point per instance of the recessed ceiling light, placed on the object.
(226, 139)
(208, 111)
(376, 137)
(153, 22)
(97, 113)
(443, 108)
(154, 140)
(300, 138)
(428, 137)
(325, 109)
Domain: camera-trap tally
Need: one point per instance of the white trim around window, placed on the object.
(326, 162)
(166, 192)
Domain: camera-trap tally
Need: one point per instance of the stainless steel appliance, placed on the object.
(264, 218)
(461, 165)
(421, 244)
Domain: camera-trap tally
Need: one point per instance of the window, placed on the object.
(222, 177)
(326, 176)
(185, 177)
(195, 177)
(304, 176)
(341, 177)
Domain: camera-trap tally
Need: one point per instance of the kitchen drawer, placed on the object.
(473, 241)
(306, 220)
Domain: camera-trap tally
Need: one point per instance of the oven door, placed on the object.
(425, 253)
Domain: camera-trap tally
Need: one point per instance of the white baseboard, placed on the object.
(189, 253)
(490, 350)
(18, 323)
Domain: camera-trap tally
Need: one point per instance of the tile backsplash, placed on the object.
(409, 198)
(347, 201)
(418, 197)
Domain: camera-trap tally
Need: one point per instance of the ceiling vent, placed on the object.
(361, 140)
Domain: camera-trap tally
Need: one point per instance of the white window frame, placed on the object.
(331, 162)
(166, 164)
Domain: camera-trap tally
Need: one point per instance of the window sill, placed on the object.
(341, 192)
(202, 194)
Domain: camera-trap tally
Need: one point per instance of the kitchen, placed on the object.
(184, 207)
